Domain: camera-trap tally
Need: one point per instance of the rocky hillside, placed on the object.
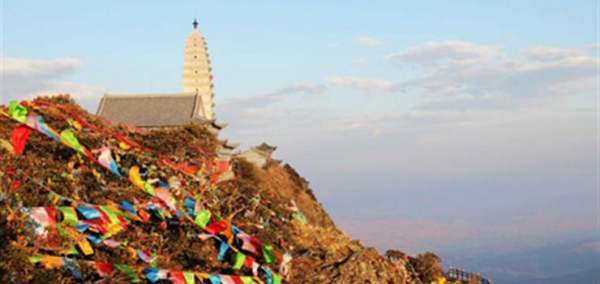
(82, 200)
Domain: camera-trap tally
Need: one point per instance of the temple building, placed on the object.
(193, 105)
(259, 155)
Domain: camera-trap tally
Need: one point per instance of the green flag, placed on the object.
(189, 277)
(129, 272)
(69, 138)
(17, 111)
(276, 279)
(268, 255)
(239, 260)
(111, 214)
(247, 280)
(69, 215)
(35, 259)
(149, 188)
(202, 218)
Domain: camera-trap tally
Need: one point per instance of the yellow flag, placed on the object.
(85, 247)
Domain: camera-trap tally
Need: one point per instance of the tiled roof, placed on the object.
(160, 110)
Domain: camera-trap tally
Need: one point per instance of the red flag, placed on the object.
(176, 277)
(217, 227)
(19, 138)
(104, 269)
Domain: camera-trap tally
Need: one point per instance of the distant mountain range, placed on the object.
(568, 262)
(589, 276)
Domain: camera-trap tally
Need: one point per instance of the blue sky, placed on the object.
(461, 127)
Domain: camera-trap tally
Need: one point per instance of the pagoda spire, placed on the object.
(197, 77)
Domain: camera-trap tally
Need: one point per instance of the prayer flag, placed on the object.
(17, 111)
(111, 243)
(88, 212)
(214, 279)
(106, 160)
(94, 239)
(50, 261)
(202, 218)
(247, 280)
(68, 137)
(35, 259)
(69, 215)
(19, 137)
(176, 277)
(249, 243)
(227, 279)
(268, 255)
(144, 256)
(125, 269)
(189, 277)
(218, 227)
(72, 267)
(149, 188)
(276, 279)
(165, 196)
(42, 127)
(190, 205)
(152, 274)
(125, 205)
(240, 258)
(222, 251)
(85, 247)
(134, 177)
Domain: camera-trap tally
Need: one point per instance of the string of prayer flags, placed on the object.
(42, 127)
(96, 219)
(19, 137)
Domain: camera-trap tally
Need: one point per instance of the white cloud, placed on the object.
(479, 76)
(367, 41)
(543, 53)
(264, 100)
(452, 50)
(365, 84)
(26, 78)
